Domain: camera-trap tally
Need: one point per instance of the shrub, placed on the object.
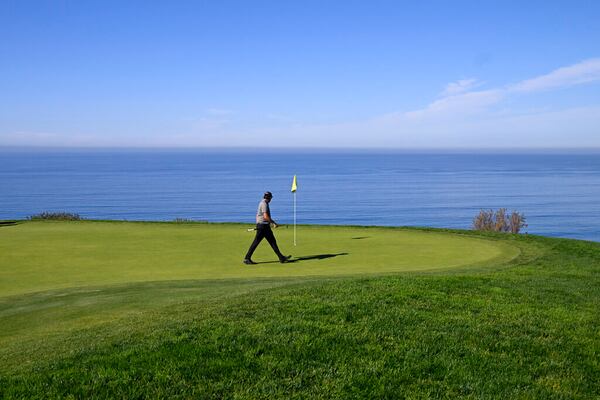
(61, 216)
(499, 221)
(484, 221)
(516, 222)
(189, 221)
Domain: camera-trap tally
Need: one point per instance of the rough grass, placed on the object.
(527, 329)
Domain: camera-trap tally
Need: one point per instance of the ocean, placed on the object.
(558, 193)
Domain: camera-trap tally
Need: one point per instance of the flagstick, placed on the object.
(294, 218)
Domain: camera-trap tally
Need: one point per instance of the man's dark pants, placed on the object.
(263, 231)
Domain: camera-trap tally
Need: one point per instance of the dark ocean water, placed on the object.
(559, 193)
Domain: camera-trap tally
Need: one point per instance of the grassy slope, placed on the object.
(529, 329)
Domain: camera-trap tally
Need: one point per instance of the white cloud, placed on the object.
(584, 72)
(466, 103)
(469, 118)
(465, 116)
(460, 86)
(460, 100)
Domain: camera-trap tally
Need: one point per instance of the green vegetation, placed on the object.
(147, 310)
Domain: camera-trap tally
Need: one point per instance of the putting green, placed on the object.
(45, 255)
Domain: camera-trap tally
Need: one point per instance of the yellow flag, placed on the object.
(294, 184)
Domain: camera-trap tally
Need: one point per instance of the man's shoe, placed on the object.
(247, 261)
(285, 259)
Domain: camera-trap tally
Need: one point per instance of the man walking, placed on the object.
(263, 230)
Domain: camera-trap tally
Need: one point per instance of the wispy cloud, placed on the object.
(460, 99)
(467, 113)
(461, 86)
(584, 72)
(464, 117)
(466, 103)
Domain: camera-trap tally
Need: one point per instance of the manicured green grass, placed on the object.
(517, 320)
(50, 255)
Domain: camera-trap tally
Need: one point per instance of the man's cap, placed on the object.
(268, 195)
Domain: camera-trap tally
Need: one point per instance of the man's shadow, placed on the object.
(306, 258)
(8, 223)
(317, 257)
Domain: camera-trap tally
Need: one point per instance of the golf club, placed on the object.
(272, 226)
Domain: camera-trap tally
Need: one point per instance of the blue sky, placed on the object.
(300, 74)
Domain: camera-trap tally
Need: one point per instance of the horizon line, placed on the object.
(504, 149)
